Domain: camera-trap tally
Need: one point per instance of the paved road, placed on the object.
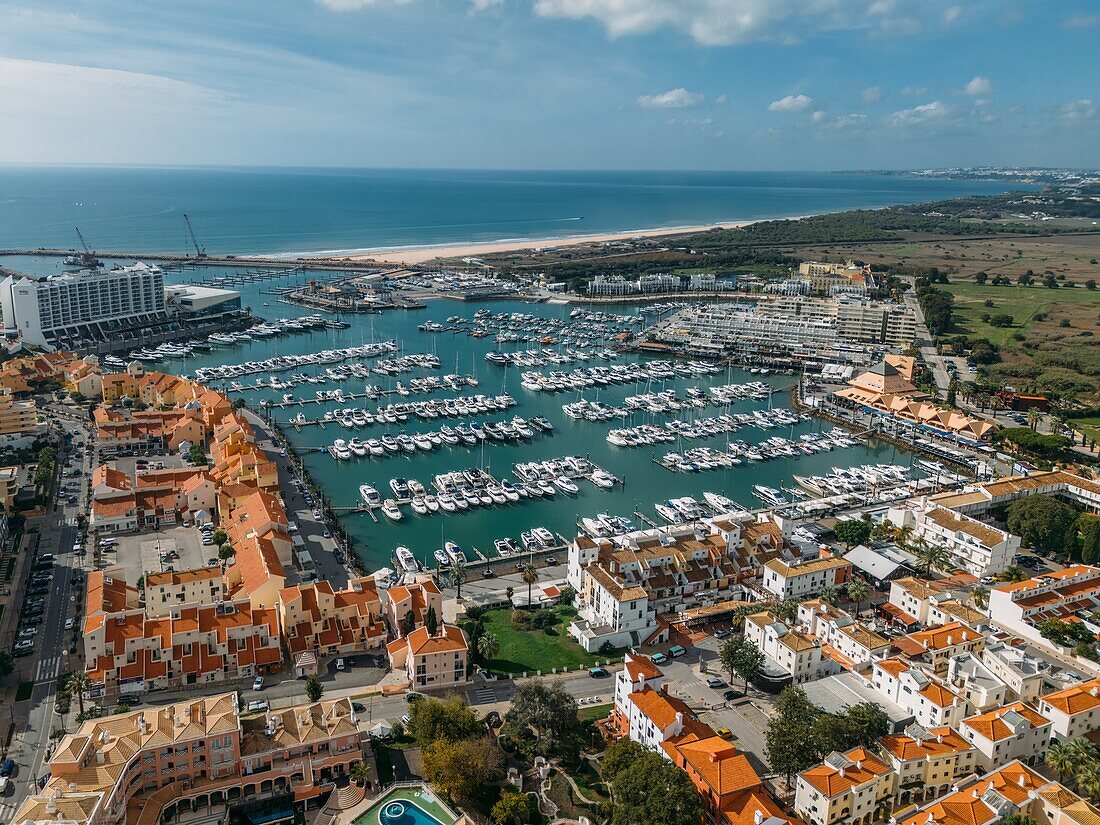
(35, 717)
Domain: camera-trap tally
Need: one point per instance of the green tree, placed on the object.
(931, 556)
(545, 715)
(784, 611)
(980, 596)
(655, 790)
(1061, 759)
(829, 596)
(314, 689)
(488, 646)
(76, 684)
(1011, 574)
(852, 532)
(1090, 542)
(431, 622)
(7, 663)
(858, 591)
(1018, 819)
(511, 809)
(408, 623)
(432, 719)
(196, 454)
(742, 657)
(1043, 522)
(790, 731)
(620, 755)
(226, 552)
(459, 575)
(866, 724)
(219, 537)
(462, 769)
(530, 576)
(360, 772)
(1034, 418)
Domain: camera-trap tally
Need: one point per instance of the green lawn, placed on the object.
(592, 712)
(531, 650)
(1021, 302)
(1089, 426)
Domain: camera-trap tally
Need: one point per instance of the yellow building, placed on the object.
(432, 661)
(17, 418)
(9, 486)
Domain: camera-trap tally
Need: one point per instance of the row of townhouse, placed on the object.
(979, 498)
(732, 792)
(148, 766)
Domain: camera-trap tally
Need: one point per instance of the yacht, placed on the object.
(357, 447)
(769, 495)
(454, 552)
(339, 450)
(391, 511)
(400, 488)
(407, 560)
(447, 503)
(441, 558)
(419, 506)
(370, 496)
(720, 503)
(603, 479)
(567, 485)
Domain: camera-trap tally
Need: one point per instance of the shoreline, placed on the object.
(411, 255)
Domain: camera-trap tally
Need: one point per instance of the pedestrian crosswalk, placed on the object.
(489, 693)
(48, 669)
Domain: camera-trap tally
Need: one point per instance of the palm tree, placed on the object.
(858, 591)
(980, 596)
(77, 683)
(359, 773)
(1011, 574)
(1034, 418)
(459, 574)
(1088, 780)
(1060, 759)
(488, 646)
(932, 557)
(784, 611)
(903, 536)
(829, 596)
(737, 621)
(1085, 767)
(530, 576)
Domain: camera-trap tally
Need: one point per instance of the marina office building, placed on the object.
(104, 308)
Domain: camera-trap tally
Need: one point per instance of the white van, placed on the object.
(257, 705)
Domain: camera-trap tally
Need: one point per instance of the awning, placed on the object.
(897, 614)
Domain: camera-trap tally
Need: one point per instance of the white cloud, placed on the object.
(731, 22)
(679, 98)
(791, 103)
(872, 94)
(355, 5)
(915, 91)
(1077, 110)
(978, 86)
(934, 112)
(951, 14)
(839, 123)
(1081, 21)
(818, 116)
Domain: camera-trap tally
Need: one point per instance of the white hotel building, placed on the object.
(50, 310)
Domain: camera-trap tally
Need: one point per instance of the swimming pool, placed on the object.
(407, 806)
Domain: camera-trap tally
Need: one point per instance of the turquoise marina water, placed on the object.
(645, 482)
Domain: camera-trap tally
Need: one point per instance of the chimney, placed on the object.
(1022, 780)
(679, 719)
(950, 639)
(1093, 690)
(100, 757)
(758, 817)
(939, 738)
(920, 742)
(51, 804)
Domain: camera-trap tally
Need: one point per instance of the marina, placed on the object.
(630, 391)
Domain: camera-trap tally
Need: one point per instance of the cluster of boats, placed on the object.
(520, 327)
(844, 480)
(460, 407)
(593, 410)
(584, 377)
(644, 435)
(686, 508)
(737, 453)
(280, 363)
(562, 471)
(542, 357)
(451, 553)
(427, 384)
(468, 436)
(606, 526)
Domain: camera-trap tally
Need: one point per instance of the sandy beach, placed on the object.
(422, 254)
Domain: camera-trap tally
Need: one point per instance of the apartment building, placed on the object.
(1073, 712)
(847, 642)
(1015, 731)
(938, 645)
(129, 652)
(798, 579)
(931, 703)
(794, 652)
(975, 499)
(974, 682)
(198, 756)
(912, 599)
(168, 590)
(927, 762)
(1021, 607)
(638, 673)
(1021, 672)
(418, 597)
(19, 424)
(1012, 789)
(846, 787)
(430, 661)
(977, 547)
(626, 583)
(318, 621)
(826, 278)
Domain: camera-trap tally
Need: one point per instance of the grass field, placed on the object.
(1023, 304)
(531, 650)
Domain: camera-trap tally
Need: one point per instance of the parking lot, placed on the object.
(174, 548)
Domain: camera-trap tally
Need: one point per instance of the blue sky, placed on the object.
(640, 84)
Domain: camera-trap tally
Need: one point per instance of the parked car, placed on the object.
(722, 633)
(258, 683)
(715, 682)
(25, 644)
(7, 767)
(659, 658)
(70, 623)
(676, 651)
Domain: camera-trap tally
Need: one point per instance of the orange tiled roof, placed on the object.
(829, 780)
(449, 638)
(942, 740)
(1077, 699)
(659, 707)
(992, 726)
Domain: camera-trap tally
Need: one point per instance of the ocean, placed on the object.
(254, 211)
